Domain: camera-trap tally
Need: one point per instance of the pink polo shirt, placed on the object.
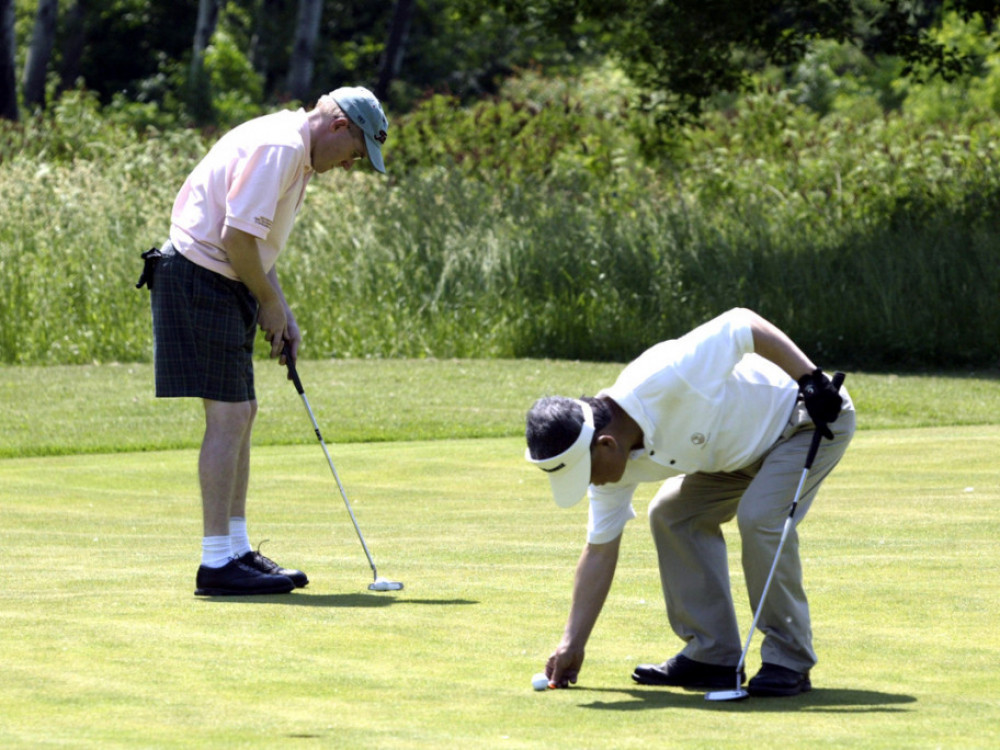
(253, 179)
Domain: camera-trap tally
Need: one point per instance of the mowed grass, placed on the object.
(106, 646)
(111, 408)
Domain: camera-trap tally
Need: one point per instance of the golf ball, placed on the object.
(540, 681)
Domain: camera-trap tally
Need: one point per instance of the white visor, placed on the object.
(569, 472)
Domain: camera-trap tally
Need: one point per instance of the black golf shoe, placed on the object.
(775, 681)
(257, 561)
(681, 671)
(236, 579)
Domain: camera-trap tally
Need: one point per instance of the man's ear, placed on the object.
(339, 123)
(604, 440)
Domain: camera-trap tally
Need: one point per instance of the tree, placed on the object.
(42, 39)
(682, 52)
(199, 95)
(76, 39)
(208, 18)
(395, 46)
(300, 69)
(8, 75)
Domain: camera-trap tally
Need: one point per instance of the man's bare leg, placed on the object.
(224, 463)
(223, 470)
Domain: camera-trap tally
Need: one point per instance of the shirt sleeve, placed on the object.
(609, 511)
(258, 183)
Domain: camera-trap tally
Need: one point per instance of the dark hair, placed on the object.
(554, 423)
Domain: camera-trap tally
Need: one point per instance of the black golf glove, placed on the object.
(822, 400)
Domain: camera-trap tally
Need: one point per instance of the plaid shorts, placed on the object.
(204, 326)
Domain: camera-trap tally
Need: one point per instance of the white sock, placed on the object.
(239, 542)
(215, 551)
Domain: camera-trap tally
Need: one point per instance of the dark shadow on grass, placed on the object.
(302, 599)
(825, 700)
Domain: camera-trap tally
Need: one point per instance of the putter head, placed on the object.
(727, 695)
(381, 584)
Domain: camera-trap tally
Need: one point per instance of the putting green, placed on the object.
(105, 645)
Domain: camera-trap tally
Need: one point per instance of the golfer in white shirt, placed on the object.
(722, 419)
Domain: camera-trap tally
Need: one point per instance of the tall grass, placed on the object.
(873, 242)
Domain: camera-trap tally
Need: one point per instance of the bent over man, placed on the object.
(721, 419)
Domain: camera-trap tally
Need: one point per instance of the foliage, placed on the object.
(534, 131)
(237, 88)
(681, 54)
(138, 51)
(531, 225)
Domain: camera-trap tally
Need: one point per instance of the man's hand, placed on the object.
(272, 320)
(594, 573)
(563, 667)
(822, 400)
(293, 339)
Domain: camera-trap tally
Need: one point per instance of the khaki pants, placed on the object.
(685, 518)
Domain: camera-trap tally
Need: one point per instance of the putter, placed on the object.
(380, 583)
(740, 692)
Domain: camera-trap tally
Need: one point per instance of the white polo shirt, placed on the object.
(705, 402)
(253, 179)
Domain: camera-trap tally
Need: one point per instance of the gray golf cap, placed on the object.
(569, 472)
(364, 110)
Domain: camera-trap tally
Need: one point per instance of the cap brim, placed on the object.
(570, 485)
(374, 149)
(569, 472)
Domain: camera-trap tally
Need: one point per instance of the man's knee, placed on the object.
(229, 416)
(660, 505)
(753, 518)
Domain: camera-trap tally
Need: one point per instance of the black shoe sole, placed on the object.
(715, 685)
(220, 591)
(706, 684)
(231, 592)
(778, 692)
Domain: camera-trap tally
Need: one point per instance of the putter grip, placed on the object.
(293, 374)
(838, 380)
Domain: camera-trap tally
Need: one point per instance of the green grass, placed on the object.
(105, 646)
(110, 408)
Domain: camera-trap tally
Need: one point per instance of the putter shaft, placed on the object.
(294, 376)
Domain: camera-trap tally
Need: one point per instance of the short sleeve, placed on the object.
(609, 512)
(256, 187)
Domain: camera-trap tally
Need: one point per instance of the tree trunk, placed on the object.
(199, 98)
(208, 17)
(76, 39)
(8, 75)
(42, 38)
(395, 46)
(300, 67)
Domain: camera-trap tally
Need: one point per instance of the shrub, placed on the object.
(529, 226)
